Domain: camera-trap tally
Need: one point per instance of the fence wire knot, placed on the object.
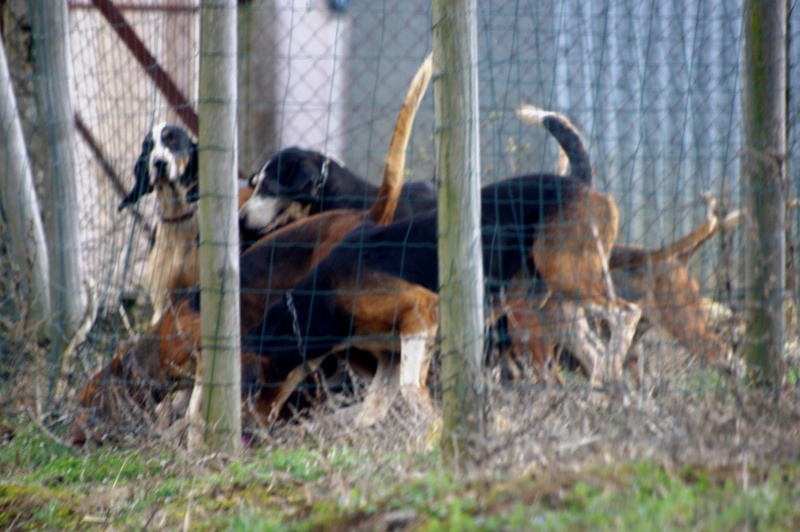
(295, 321)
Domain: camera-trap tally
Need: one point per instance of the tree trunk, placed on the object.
(218, 391)
(763, 160)
(460, 259)
(19, 202)
(54, 71)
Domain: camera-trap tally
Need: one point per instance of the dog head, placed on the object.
(285, 190)
(167, 164)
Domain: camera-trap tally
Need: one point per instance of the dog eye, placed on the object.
(166, 136)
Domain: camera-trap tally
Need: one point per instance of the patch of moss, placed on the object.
(107, 468)
(27, 507)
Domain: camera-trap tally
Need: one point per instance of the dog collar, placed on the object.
(323, 172)
(179, 218)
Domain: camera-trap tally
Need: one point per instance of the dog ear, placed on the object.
(297, 176)
(143, 183)
(191, 176)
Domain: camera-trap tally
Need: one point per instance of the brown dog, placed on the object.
(530, 343)
(657, 279)
(573, 263)
(268, 270)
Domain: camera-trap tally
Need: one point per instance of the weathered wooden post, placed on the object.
(455, 57)
(763, 172)
(217, 393)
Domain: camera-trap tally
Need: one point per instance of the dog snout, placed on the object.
(243, 218)
(160, 170)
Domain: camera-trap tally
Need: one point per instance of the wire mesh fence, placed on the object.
(654, 89)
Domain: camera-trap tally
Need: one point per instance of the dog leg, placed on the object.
(194, 419)
(381, 392)
(585, 278)
(411, 312)
(417, 352)
(286, 388)
(410, 376)
(418, 326)
(623, 328)
(574, 334)
(172, 409)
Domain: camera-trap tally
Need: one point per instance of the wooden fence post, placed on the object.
(763, 168)
(219, 388)
(461, 324)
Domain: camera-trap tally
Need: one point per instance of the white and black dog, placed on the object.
(168, 165)
(298, 183)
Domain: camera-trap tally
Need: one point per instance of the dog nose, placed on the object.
(160, 170)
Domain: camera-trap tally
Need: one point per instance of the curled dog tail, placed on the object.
(383, 210)
(567, 135)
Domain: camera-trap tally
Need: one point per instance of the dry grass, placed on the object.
(540, 448)
(676, 412)
(680, 414)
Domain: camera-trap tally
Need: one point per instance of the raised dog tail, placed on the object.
(567, 135)
(383, 210)
(729, 223)
(682, 249)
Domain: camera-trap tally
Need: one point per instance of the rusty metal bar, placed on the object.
(97, 150)
(149, 63)
(139, 7)
(162, 79)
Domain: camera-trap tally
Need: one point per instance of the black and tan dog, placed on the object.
(168, 165)
(167, 355)
(656, 279)
(298, 183)
(378, 288)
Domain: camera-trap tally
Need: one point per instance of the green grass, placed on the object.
(39, 460)
(48, 485)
